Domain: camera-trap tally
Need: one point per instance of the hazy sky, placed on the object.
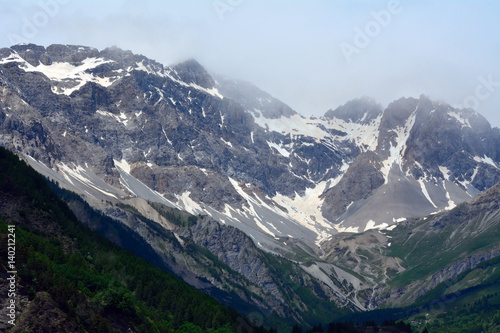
(313, 55)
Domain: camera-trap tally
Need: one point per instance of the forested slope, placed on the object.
(69, 278)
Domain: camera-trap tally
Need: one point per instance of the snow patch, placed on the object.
(348, 229)
(66, 72)
(250, 209)
(212, 91)
(227, 143)
(426, 194)
(179, 239)
(122, 118)
(279, 148)
(123, 165)
(397, 151)
(188, 204)
(166, 137)
(80, 174)
(460, 119)
(373, 225)
(445, 172)
(296, 125)
(364, 135)
(451, 203)
(140, 66)
(306, 210)
(486, 160)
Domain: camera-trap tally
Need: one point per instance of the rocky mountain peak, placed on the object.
(191, 71)
(398, 112)
(73, 54)
(32, 53)
(359, 110)
(124, 57)
(128, 60)
(36, 54)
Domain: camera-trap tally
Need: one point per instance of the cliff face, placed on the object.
(111, 118)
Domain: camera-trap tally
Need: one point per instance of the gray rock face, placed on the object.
(192, 72)
(360, 110)
(358, 183)
(181, 131)
(237, 250)
(444, 138)
(420, 145)
(48, 316)
(36, 55)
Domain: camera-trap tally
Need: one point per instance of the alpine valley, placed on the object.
(286, 218)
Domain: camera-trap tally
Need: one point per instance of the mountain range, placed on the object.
(244, 198)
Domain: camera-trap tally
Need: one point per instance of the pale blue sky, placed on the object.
(313, 55)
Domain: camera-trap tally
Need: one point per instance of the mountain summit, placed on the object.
(113, 125)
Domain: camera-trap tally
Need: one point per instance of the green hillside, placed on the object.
(438, 240)
(82, 282)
